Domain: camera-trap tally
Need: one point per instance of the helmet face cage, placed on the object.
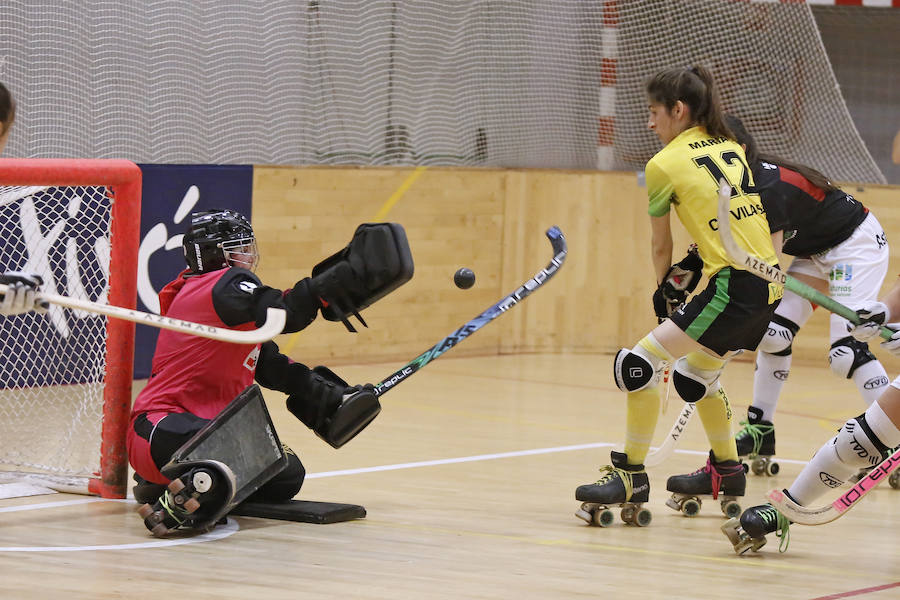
(241, 253)
(217, 239)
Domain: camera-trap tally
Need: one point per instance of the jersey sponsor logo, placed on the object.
(881, 240)
(843, 272)
(252, 359)
(247, 286)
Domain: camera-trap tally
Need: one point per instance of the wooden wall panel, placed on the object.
(492, 221)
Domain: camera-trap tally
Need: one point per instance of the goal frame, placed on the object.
(124, 179)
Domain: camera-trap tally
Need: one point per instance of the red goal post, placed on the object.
(77, 223)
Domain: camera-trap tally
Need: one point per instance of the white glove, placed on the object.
(893, 345)
(20, 293)
(873, 316)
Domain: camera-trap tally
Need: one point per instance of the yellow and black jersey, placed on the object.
(686, 173)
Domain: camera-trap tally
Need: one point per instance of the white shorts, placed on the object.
(855, 269)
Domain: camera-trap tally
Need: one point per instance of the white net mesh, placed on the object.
(473, 82)
(52, 369)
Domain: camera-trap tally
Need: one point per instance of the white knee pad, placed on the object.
(691, 383)
(848, 354)
(779, 336)
(857, 445)
(637, 369)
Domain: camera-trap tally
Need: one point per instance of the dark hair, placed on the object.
(695, 87)
(743, 137)
(7, 109)
(754, 156)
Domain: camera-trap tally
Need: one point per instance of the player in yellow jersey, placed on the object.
(732, 313)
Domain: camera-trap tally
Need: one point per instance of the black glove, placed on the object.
(681, 279)
(322, 394)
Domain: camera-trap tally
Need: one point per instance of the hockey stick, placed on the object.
(770, 273)
(275, 320)
(846, 501)
(557, 241)
(668, 446)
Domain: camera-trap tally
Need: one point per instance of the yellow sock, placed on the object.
(643, 410)
(715, 410)
(642, 415)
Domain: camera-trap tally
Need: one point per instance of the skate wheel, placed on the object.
(643, 518)
(691, 507)
(627, 514)
(758, 466)
(175, 486)
(159, 530)
(603, 517)
(772, 469)
(731, 509)
(894, 480)
(145, 510)
(746, 467)
(191, 505)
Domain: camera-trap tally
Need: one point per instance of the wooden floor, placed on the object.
(468, 477)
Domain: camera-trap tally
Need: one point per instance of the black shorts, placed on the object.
(731, 313)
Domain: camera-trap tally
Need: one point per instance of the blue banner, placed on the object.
(170, 194)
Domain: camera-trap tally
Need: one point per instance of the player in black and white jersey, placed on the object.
(20, 297)
(839, 248)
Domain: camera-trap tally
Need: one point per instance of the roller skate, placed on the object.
(749, 532)
(726, 478)
(146, 492)
(179, 504)
(623, 485)
(756, 441)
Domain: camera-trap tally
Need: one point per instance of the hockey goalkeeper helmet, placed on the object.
(217, 239)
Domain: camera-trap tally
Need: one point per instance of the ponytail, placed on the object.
(696, 88)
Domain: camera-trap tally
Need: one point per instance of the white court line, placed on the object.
(478, 457)
(450, 461)
(221, 531)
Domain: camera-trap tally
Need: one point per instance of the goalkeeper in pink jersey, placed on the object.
(193, 379)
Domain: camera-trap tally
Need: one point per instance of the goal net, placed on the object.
(65, 376)
(500, 83)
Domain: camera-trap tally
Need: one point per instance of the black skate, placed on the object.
(146, 492)
(749, 533)
(623, 485)
(756, 441)
(179, 504)
(726, 477)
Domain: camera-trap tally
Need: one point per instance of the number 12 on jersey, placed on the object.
(731, 158)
